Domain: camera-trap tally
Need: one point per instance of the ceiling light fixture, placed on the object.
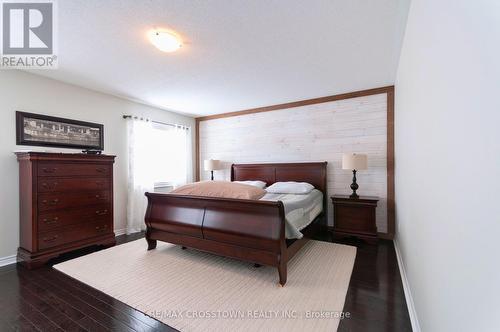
(165, 41)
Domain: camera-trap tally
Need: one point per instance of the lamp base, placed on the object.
(354, 196)
(354, 185)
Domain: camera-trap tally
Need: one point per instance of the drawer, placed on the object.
(50, 184)
(56, 201)
(355, 218)
(73, 169)
(72, 234)
(57, 219)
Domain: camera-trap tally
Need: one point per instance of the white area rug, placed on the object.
(195, 291)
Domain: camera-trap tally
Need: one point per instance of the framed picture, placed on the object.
(43, 130)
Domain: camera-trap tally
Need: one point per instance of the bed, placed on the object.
(250, 230)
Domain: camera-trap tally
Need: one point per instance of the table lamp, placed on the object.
(212, 165)
(354, 162)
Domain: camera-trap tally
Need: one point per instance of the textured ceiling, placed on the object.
(237, 54)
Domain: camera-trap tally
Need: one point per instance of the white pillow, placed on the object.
(290, 188)
(259, 184)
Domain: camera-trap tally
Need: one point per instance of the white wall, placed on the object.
(448, 161)
(320, 132)
(31, 93)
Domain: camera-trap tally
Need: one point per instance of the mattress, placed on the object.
(300, 210)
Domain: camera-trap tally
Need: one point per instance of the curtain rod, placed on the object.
(158, 122)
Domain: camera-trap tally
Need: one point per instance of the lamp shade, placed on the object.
(354, 161)
(211, 164)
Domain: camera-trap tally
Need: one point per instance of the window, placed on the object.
(160, 159)
(161, 154)
(170, 167)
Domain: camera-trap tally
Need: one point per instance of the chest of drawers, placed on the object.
(66, 203)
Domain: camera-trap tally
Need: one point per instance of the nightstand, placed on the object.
(355, 217)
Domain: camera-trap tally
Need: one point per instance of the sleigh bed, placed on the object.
(250, 230)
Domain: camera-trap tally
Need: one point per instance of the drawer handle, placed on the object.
(55, 201)
(49, 170)
(98, 196)
(103, 228)
(53, 221)
(99, 183)
(100, 169)
(101, 213)
(50, 239)
(47, 186)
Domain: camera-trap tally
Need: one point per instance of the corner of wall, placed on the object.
(415, 325)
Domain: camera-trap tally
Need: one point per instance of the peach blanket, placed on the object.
(222, 189)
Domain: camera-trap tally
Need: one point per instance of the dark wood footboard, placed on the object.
(244, 229)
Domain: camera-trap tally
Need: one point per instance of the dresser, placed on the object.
(66, 203)
(355, 217)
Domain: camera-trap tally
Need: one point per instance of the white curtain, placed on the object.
(158, 153)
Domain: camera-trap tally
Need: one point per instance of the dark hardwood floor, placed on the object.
(375, 298)
(47, 300)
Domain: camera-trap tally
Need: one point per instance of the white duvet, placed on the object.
(300, 210)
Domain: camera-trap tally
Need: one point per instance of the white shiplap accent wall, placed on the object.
(320, 132)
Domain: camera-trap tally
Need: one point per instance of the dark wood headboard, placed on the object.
(313, 173)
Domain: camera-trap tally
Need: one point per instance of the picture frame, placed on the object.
(43, 130)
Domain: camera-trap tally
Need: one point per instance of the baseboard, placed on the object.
(123, 231)
(385, 236)
(120, 231)
(8, 260)
(406, 286)
(13, 259)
